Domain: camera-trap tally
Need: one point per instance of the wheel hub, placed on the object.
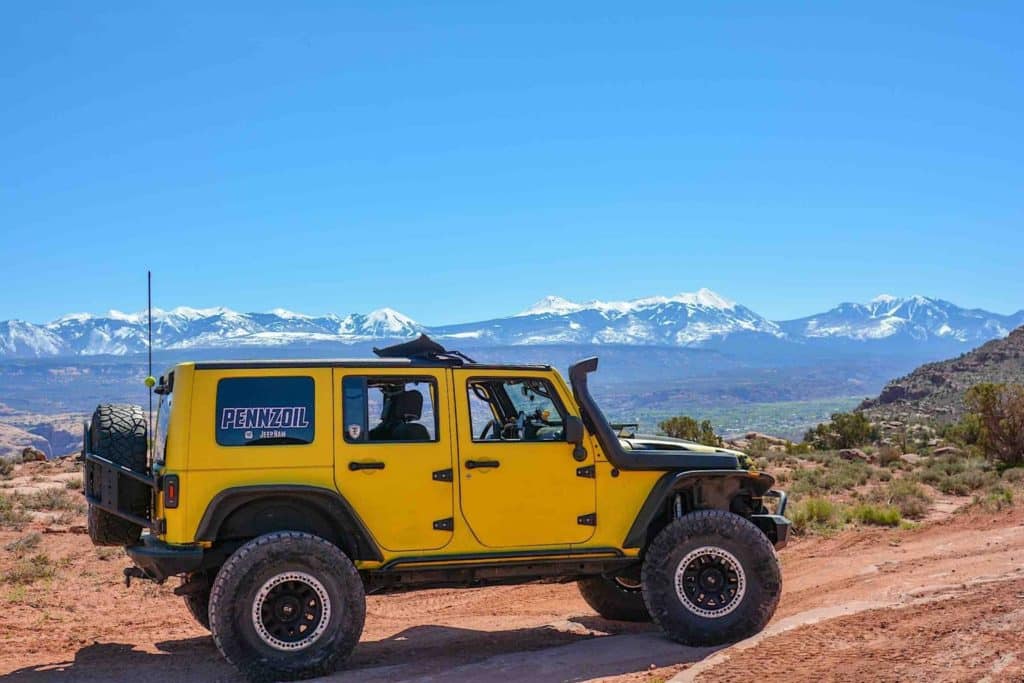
(291, 611)
(710, 582)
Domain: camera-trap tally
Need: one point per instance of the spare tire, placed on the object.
(118, 433)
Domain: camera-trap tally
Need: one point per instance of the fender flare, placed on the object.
(671, 482)
(355, 537)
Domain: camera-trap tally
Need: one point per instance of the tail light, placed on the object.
(171, 490)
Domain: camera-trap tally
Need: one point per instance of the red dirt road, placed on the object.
(944, 603)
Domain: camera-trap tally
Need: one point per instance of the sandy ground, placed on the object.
(944, 602)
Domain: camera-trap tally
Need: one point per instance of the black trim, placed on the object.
(101, 481)
(333, 505)
(589, 519)
(443, 475)
(625, 459)
(446, 524)
(356, 363)
(775, 527)
(461, 560)
(587, 471)
(160, 560)
(670, 482)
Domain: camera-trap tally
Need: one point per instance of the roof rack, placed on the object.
(423, 348)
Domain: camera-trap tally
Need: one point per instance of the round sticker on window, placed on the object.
(354, 431)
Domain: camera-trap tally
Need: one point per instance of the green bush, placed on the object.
(11, 515)
(685, 427)
(996, 498)
(817, 514)
(1000, 412)
(878, 515)
(845, 430)
(905, 495)
(1014, 475)
(52, 499)
(32, 569)
(28, 542)
(833, 476)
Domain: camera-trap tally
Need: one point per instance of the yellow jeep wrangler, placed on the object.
(282, 492)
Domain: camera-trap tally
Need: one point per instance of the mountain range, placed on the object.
(702, 319)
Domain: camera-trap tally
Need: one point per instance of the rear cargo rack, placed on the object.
(101, 485)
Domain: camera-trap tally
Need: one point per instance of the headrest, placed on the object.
(407, 406)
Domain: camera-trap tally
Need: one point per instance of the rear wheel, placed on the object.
(119, 435)
(618, 598)
(195, 590)
(711, 577)
(287, 606)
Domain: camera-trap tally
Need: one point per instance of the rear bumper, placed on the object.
(775, 527)
(160, 560)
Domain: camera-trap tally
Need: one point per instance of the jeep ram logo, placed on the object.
(283, 417)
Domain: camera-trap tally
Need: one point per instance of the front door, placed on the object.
(393, 454)
(519, 480)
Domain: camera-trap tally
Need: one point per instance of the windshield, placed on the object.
(163, 417)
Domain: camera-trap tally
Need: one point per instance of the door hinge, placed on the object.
(588, 471)
(442, 475)
(446, 524)
(587, 520)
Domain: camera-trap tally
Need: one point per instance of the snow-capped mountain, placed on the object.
(119, 334)
(690, 319)
(700, 319)
(917, 317)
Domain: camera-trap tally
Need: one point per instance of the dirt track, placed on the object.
(944, 602)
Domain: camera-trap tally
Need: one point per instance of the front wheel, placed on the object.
(711, 577)
(287, 606)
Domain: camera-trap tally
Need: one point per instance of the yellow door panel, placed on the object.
(394, 471)
(518, 492)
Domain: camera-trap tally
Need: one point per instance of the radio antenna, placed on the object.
(150, 380)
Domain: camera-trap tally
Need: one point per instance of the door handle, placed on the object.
(355, 466)
(477, 464)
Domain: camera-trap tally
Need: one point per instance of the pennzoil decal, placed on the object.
(272, 417)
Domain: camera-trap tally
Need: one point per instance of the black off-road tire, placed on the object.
(713, 540)
(197, 597)
(613, 600)
(283, 561)
(119, 435)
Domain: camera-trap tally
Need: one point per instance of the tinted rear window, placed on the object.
(265, 411)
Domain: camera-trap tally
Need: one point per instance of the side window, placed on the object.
(515, 409)
(389, 409)
(265, 411)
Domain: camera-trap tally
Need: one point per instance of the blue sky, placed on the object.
(460, 161)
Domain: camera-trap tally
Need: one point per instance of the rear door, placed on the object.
(393, 461)
(520, 484)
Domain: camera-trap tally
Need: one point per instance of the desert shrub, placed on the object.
(833, 476)
(845, 430)
(888, 455)
(966, 432)
(31, 569)
(798, 448)
(74, 484)
(996, 498)
(28, 542)
(878, 515)
(1000, 411)
(685, 427)
(905, 495)
(817, 514)
(1014, 475)
(6, 468)
(52, 499)
(10, 515)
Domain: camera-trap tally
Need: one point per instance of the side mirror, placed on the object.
(573, 429)
(574, 435)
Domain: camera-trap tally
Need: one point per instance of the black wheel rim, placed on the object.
(710, 582)
(291, 611)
